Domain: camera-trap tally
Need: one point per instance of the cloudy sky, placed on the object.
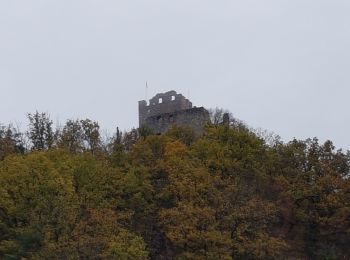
(282, 65)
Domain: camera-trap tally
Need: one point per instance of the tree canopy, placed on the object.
(66, 193)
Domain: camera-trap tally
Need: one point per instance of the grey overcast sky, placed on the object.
(282, 65)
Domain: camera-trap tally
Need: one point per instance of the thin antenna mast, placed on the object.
(146, 97)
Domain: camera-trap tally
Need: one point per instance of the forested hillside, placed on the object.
(68, 193)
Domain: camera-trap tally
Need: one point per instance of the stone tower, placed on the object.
(167, 109)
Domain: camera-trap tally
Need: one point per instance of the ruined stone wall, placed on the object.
(195, 118)
(162, 103)
(170, 108)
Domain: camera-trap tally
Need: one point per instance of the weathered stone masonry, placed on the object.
(167, 109)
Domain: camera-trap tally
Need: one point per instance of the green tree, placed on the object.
(91, 135)
(317, 190)
(11, 141)
(40, 131)
(72, 136)
(55, 205)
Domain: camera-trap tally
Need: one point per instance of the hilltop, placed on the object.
(224, 194)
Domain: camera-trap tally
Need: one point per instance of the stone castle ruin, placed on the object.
(170, 108)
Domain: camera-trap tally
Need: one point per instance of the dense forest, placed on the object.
(69, 193)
